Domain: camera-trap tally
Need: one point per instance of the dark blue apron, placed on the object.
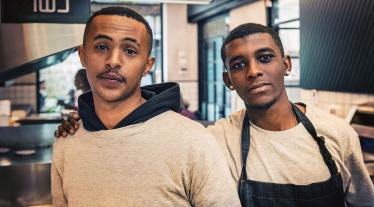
(261, 194)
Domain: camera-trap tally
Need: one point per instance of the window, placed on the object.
(56, 84)
(215, 98)
(286, 21)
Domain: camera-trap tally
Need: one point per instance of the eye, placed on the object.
(130, 52)
(265, 58)
(101, 47)
(237, 66)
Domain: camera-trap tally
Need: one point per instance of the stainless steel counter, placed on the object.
(27, 136)
(25, 179)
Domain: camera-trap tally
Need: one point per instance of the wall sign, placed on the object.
(45, 11)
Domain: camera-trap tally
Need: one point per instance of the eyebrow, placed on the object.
(235, 58)
(102, 36)
(131, 40)
(265, 49)
(259, 51)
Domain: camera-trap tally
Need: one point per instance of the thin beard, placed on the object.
(258, 107)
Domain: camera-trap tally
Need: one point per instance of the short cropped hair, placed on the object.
(121, 11)
(247, 29)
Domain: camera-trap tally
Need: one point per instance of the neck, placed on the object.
(111, 113)
(277, 117)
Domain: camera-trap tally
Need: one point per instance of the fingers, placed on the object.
(75, 115)
(67, 127)
(61, 130)
(73, 119)
(57, 134)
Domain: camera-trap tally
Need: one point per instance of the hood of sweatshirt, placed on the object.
(159, 99)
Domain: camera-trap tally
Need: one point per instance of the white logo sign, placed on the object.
(49, 6)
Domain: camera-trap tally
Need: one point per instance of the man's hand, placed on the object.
(68, 126)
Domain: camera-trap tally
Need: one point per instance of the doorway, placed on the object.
(214, 97)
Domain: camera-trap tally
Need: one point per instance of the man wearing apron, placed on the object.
(282, 154)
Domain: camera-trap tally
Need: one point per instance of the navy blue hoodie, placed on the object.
(159, 99)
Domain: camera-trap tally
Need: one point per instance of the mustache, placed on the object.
(111, 74)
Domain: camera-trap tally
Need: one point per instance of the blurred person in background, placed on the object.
(81, 86)
(42, 96)
(185, 111)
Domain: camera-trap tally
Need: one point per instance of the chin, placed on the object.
(260, 105)
(112, 99)
(112, 96)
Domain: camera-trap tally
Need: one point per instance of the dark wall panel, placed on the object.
(337, 45)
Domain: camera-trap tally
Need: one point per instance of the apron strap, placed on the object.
(300, 116)
(245, 146)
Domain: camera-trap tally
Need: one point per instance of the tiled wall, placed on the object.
(293, 94)
(21, 90)
(19, 94)
(338, 103)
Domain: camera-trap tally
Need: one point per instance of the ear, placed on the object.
(287, 64)
(149, 65)
(226, 80)
(81, 55)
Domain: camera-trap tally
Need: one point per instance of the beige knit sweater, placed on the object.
(168, 160)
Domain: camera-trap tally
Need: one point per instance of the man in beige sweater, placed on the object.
(134, 149)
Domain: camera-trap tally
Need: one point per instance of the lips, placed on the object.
(260, 87)
(111, 80)
(112, 77)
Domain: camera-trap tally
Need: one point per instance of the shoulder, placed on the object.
(62, 143)
(175, 121)
(327, 123)
(338, 133)
(233, 121)
(178, 128)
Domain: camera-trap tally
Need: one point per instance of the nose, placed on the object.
(113, 59)
(253, 71)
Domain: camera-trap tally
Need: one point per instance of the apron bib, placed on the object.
(261, 194)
